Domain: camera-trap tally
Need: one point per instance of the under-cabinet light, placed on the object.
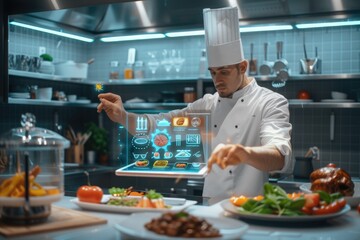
(327, 24)
(266, 28)
(132, 37)
(54, 32)
(185, 34)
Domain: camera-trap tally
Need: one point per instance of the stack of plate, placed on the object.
(19, 95)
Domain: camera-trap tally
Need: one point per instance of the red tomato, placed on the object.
(307, 211)
(330, 208)
(332, 165)
(311, 200)
(358, 208)
(303, 94)
(91, 194)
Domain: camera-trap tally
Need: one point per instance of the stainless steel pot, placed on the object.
(280, 63)
(267, 67)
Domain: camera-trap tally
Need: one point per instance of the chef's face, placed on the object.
(228, 79)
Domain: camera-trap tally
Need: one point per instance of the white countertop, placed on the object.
(345, 227)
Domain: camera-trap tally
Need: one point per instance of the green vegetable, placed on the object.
(329, 198)
(46, 57)
(276, 202)
(152, 194)
(128, 202)
(119, 192)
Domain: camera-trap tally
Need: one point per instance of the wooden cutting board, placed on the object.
(60, 218)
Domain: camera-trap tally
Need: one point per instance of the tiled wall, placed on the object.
(339, 49)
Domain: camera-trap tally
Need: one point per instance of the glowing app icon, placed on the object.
(156, 155)
(168, 155)
(180, 121)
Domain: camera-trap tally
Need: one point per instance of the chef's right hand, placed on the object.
(113, 106)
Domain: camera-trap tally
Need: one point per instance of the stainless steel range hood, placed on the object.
(158, 15)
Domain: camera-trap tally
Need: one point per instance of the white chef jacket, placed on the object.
(254, 116)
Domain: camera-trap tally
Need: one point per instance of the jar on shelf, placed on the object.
(128, 71)
(189, 94)
(139, 69)
(114, 70)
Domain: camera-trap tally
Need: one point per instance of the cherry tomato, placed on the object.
(358, 208)
(92, 194)
(332, 165)
(330, 208)
(303, 94)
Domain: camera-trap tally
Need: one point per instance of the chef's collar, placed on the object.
(243, 91)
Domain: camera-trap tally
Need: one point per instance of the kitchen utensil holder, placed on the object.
(310, 66)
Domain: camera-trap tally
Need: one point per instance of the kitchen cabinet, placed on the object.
(171, 84)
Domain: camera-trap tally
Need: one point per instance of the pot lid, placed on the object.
(29, 137)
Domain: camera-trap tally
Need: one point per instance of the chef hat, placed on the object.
(222, 36)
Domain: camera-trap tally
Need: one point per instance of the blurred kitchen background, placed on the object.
(337, 47)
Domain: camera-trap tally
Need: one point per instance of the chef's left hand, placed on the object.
(229, 154)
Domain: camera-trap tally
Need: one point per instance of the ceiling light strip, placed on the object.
(266, 28)
(58, 33)
(327, 24)
(185, 33)
(132, 37)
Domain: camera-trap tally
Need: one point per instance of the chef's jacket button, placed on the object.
(236, 126)
(219, 100)
(242, 100)
(215, 125)
(230, 171)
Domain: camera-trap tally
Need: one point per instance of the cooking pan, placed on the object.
(280, 63)
(267, 67)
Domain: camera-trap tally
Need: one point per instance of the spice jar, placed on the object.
(114, 72)
(33, 90)
(128, 72)
(189, 94)
(139, 69)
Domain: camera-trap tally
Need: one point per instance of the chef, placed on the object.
(250, 123)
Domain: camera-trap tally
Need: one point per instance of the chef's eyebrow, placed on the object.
(219, 68)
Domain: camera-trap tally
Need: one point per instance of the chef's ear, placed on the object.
(243, 66)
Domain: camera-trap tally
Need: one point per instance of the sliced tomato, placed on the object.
(238, 201)
(311, 200)
(294, 195)
(258, 198)
(330, 208)
(307, 211)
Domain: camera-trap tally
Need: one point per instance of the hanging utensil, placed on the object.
(267, 67)
(253, 62)
(280, 63)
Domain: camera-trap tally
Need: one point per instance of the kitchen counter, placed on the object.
(343, 227)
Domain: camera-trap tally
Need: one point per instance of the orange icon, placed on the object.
(180, 121)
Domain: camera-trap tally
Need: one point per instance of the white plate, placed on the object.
(34, 201)
(82, 101)
(229, 228)
(298, 101)
(353, 201)
(228, 206)
(175, 205)
(337, 100)
(19, 95)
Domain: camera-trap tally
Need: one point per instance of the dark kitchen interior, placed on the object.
(337, 47)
